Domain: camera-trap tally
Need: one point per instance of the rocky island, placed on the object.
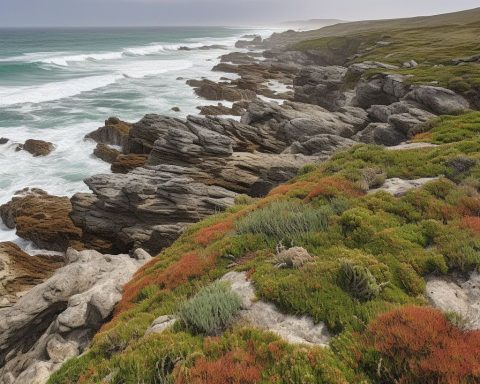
(329, 234)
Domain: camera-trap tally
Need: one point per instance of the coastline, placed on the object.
(274, 113)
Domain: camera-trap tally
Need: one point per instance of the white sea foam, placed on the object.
(65, 60)
(54, 91)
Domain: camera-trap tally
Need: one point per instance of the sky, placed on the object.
(15, 13)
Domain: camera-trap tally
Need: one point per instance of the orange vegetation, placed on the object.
(419, 345)
(206, 235)
(423, 137)
(471, 222)
(235, 367)
(189, 266)
(333, 187)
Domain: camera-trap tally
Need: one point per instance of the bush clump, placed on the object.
(285, 220)
(420, 345)
(295, 257)
(359, 281)
(211, 310)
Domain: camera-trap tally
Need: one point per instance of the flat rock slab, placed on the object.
(409, 146)
(457, 295)
(293, 329)
(399, 187)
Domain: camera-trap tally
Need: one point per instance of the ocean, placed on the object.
(60, 84)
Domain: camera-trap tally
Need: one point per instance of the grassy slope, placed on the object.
(433, 42)
(434, 229)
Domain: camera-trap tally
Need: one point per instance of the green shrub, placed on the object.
(211, 310)
(286, 220)
(307, 168)
(244, 200)
(359, 281)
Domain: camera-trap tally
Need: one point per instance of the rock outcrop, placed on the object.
(380, 90)
(37, 147)
(43, 219)
(457, 294)
(114, 132)
(399, 187)
(56, 320)
(211, 90)
(323, 86)
(439, 100)
(136, 208)
(19, 272)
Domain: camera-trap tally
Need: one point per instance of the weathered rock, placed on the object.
(3, 140)
(126, 205)
(381, 134)
(106, 153)
(291, 121)
(321, 146)
(160, 324)
(37, 147)
(457, 294)
(114, 132)
(144, 133)
(211, 90)
(410, 64)
(257, 40)
(126, 163)
(355, 71)
(409, 146)
(380, 90)
(398, 187)
(55, 320)
(439, 100)
(42, 219)
(324, 86)
(405, 116)
(293, 329)
(238, 58)
(215, 110)
(19, 272)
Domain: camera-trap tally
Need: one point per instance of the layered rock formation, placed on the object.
(19, 272)
(55, 320)
(43, 219)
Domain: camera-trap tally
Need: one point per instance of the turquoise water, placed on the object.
(58, 84)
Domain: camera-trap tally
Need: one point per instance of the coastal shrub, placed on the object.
(307, 168)
(189, 266)
(211, 310)
(331, 187)
(206, 235)
(244, 200)
(372, 178)
(472, 223)
(411, 281)
(419, 345)
(285, 220)
(295, 257)
(359, 281)
(235, 367)
(450, 129)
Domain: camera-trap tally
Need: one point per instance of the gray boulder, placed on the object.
(380, 89)
(439, 100)
(381, 134)
(323, 86)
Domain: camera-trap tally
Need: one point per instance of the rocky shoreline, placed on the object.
(296, 109)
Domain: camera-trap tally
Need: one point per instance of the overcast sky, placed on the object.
(210, 12)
